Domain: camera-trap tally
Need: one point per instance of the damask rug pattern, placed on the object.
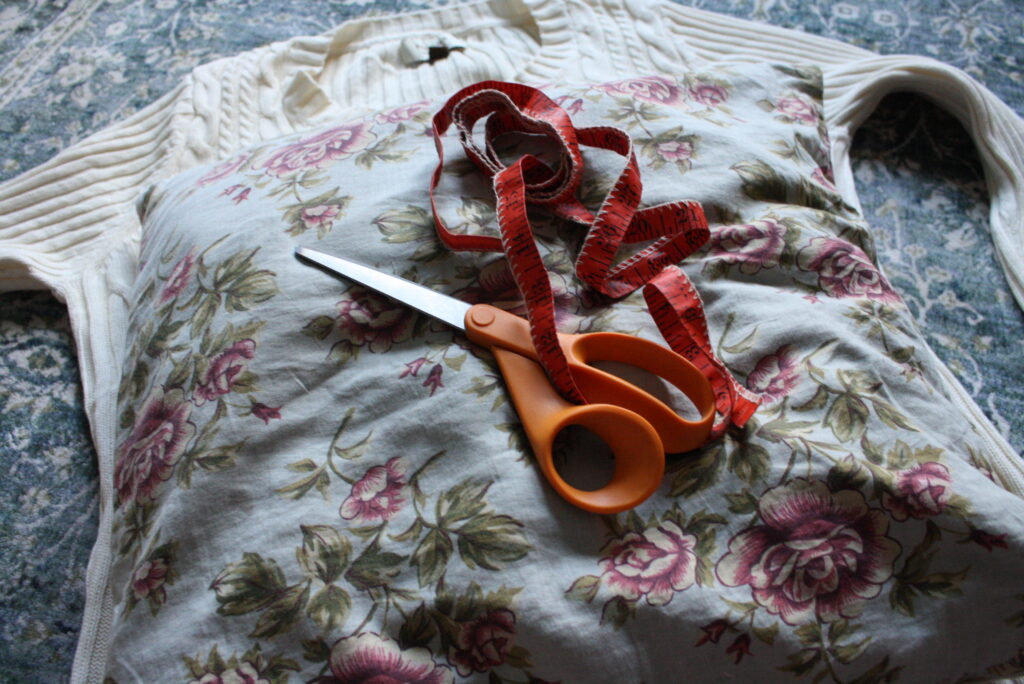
(71, 67)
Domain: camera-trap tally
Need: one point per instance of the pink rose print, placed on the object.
(653, 89)
(158, 439)
(797, 109)
(321, 149)
(401, 113)
(775, 375)
(369, 658)
(483, 643)
(844, 270)
(222, 170)
(753, 246)
(371, 319)
(223, 370)
(675, 150)
(656, 564)
(148, 580)
(819, 554)
(707, 94)
(920, 492)
(178, 278)
(243, 674)
(378, 494)
(321, 218)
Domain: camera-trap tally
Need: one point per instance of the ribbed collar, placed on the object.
(337, 81)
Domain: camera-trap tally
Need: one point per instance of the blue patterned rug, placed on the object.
(71, 68)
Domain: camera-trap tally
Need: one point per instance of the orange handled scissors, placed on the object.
(638, 427)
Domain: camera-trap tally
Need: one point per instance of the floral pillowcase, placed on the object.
(316, 484)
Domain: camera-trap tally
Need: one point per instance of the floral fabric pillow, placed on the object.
(316, 484)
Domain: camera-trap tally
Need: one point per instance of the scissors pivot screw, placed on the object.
(481, 316)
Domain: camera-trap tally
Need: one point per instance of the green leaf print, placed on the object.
(375, 567)
(324, 552)
(247, 586)
(282, 614)
(491, 541)
(330, 607)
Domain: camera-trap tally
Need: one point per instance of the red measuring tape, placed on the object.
(676, 229)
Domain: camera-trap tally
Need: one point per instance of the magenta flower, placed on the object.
(775, 375)
(223, 370)
(413, 367)
(655, 564)
(796, 108)
(708, 94)
(483, 643)
(369, 658)
(713, 631)
(433, 380)
(178, 279)
(320, 217)
(920, 492)
(675, 150)
(374, 320)
(320, 150)
(403, 113)
(988, 540)
(265, 413)
(148, 580)
(741, 647)
(818, 554)
(222, 170)
(753, 246)
(844, 270)
(157, 441)
(377, 496)
(573, 108)
(823, 177)
(653, 89)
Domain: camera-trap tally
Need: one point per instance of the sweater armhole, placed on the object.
(852, 91)
(64, 215)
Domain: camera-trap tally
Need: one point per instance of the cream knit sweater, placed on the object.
(71, 224)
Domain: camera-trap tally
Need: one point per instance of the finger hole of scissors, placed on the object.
(639, 462)
(582, 458)
(657, 386)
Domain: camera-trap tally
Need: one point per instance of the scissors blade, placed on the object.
(442, 307)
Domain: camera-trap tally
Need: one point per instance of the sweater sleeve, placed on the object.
(62, 216)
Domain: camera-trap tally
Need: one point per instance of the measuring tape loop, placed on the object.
(673, 229)
(679, 314)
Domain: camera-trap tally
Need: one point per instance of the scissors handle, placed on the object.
(637, 426)
(677, 434)
(495, 328)
(639, 457)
